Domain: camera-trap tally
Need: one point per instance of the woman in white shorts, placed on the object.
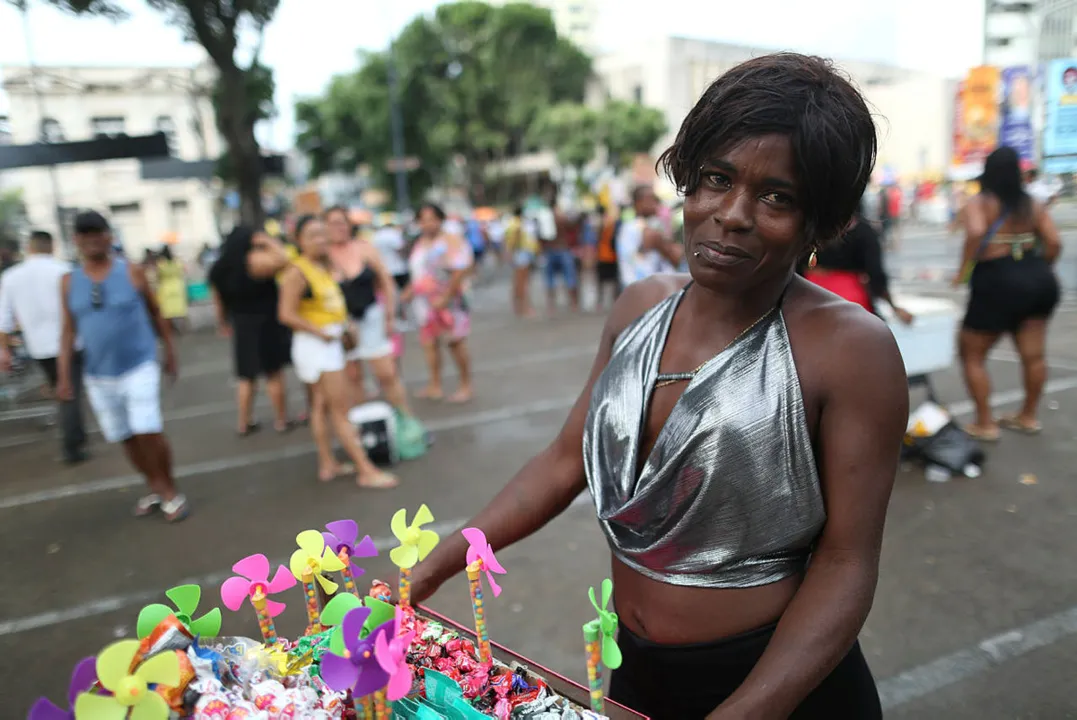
(363, 277)
(312, 305)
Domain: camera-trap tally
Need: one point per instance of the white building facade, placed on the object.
(575, 19)
(914, 110)
(81, 103)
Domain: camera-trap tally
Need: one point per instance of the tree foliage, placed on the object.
(241, 92)
(12, 217)
(629, 129)
(472, 78)
(571, 130)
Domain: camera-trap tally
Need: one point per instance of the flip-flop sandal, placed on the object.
(1010, 422)
(342, 470)
(175, 509)
(147, 505)
(380, 481)
(982, 435)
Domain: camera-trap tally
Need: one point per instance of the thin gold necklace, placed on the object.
(664, 379)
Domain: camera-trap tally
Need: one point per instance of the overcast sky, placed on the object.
(311, 40)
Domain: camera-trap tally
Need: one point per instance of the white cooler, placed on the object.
(930, 343)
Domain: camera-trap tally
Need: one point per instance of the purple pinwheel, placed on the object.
(357, 670)
(342, 536)
(82, 679)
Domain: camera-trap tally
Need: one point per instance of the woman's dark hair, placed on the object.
(436, 209)
(1002, 178)
(229, 274)
(518, 211)
(166, 253)
(333, 209)
(302, 223)
(826, 119)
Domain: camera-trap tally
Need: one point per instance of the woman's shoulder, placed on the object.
(642, 296)
(827, 332)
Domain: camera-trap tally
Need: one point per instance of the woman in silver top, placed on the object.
(740, 430)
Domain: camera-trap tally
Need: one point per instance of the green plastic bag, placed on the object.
(410, 437)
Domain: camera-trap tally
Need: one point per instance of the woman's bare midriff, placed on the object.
(677, 615)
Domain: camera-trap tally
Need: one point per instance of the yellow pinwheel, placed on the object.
(313, 554)
(130, 690)
(415, 543)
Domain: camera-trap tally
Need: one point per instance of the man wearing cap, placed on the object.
(109, 304)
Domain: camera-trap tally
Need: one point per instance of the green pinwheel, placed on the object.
(334, 611)
(186, 598)
(606, 625)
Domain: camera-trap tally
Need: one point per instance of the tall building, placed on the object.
(1028, 32)
(80, 103)
(914, 110)
(575, 19)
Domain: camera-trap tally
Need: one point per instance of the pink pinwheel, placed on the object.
(342, 536)
(479, 549)
(82, 679)
(392, 656)
(357, 669)
(254, 570)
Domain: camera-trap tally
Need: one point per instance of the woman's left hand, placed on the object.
(390, 326)
(441, 303)
(904, 316)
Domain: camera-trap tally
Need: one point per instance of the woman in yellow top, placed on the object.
(312, 305)
(171, 288)
(520, 249)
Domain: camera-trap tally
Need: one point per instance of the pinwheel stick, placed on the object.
(474, 573)
(313, 626)
(265, 623)
(592, 637)
(405, 587)
(346, 573)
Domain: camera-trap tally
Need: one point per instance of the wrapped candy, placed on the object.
(174, 695)
(380, 591)
(170, 634)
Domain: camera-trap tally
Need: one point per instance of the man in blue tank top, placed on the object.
(109, 304)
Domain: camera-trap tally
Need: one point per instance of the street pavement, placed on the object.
(975, 615)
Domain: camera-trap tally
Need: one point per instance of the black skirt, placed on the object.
(687, 682)
(1005, 292)
(262, 346)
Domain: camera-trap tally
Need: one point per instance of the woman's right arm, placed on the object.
(551, 480)
(266, 258)
(1047, 232)
(292, 285)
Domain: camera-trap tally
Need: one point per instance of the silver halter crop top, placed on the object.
(729, 497)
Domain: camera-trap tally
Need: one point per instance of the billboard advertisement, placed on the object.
(977, 120)
(1016, 112)
(1060, 134)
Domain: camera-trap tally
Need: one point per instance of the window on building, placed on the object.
(577, 29)
(998, 41)
(637, 94)
(5, 130)
(575, 9)
(51, 132)
(164, 124)
(107, 126)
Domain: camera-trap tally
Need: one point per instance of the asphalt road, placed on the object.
(975, 615)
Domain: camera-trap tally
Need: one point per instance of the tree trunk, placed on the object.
(233, 120)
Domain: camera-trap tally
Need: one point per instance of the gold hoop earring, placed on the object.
(812, 259)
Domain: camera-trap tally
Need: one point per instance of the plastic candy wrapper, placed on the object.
(170, 634)
(174, 695)
(553, 707)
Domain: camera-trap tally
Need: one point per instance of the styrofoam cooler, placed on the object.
(929, 344)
